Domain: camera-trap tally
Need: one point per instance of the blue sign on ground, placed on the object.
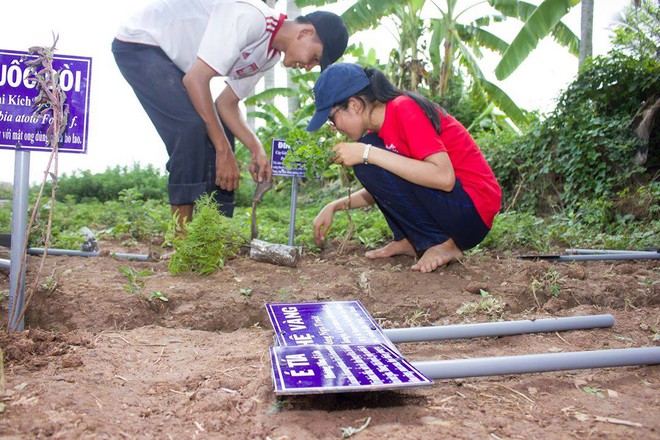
(19, 128)
(324, 323)
(314, 369)
(278, 152)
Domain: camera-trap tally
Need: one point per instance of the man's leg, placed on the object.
(183, 214)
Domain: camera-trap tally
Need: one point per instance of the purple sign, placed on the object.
(19, 127)
(278, 152)
(324, 323)
(316, 369)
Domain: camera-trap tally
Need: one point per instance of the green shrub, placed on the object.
(583, 150)
(209, 240)
(105, 186)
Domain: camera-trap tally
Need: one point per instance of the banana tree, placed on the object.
(456, 43)
(540, 21)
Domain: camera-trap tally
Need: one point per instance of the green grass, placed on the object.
(131, 218)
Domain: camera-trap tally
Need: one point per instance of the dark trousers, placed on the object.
(157, 83)
(425, 216)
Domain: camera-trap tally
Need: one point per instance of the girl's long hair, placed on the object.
(382, 90)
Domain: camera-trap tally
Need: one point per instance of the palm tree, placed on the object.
(586, 31)
(293, 101)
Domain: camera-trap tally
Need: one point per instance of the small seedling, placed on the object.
(489, 305)
(595, 391)
(282, 294)
(417, 318)
(135, 279)
(245, 293)
(158, 295)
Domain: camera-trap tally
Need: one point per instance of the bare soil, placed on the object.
(97, 361)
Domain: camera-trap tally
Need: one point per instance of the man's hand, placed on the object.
(227, 173)
(260, 168)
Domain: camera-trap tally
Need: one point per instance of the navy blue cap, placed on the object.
(335, 84)
(332, 32)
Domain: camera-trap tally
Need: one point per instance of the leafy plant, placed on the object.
(639, 31)
(598, 392)
(246, 293)
(158, 295)
(582, 151)
(207, 242)
(489, 305)
(135, 280)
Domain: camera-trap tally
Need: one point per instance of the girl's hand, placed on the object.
(322, 223)
(349, 153)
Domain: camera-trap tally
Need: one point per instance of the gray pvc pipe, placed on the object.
(604, 251)
(536, 363)
(72, 253)
(19, 220)
(5, 264)
(507, 328)
(609, 256)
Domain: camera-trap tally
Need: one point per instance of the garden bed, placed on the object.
(103, 359)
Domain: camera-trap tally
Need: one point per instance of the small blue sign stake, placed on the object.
(19, 128)
(332, 347)
(279, 151)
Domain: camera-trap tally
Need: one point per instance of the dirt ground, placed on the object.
(98, 361)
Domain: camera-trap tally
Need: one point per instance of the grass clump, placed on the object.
(210, 239)
(489, 305)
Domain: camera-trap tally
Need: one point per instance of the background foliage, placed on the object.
(568, 178)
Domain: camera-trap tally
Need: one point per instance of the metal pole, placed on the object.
(605, 251)
(292, 220)
(458, 331)
(598, 257)
(19, 214)
(536, 363)
(72, 253)
(4, 264)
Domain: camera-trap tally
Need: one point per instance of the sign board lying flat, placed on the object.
(314, 369)
(331, 347)
(19, 128)
(324, 323)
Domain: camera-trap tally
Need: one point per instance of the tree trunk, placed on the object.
(293, 102)
(586, 31)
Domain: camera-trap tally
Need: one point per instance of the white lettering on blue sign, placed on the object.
(293, 319)
(298, 360)
(14, 76)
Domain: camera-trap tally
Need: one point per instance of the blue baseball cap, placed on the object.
(335, 84)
